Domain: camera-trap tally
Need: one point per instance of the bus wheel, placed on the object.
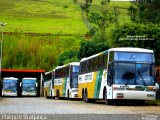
(107, 101)
(51, 94)
(57, 95)
(85, 98)
(68, 97)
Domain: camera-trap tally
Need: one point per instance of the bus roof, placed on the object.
(49, 72)
(29, 78)
(122, 49)
(131, 49)
(72, 63)
(10, 78)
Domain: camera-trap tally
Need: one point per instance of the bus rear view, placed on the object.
(29, 87)
(10, 86)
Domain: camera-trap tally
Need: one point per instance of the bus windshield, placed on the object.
(74, 80)
(10, 85)
(74, 83)
(75, 69)
(29, 85)
(134, 74)
(134, 56)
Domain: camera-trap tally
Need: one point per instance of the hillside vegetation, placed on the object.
(38, 31)
(42, 16)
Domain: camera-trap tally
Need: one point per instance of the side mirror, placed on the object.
(110, 75)
(20, 84)
(157, 87)
(36, 84)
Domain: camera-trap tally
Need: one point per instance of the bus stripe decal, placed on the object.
(98, 84)
(64, 87)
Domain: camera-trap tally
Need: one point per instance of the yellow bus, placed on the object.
(66, 80)
(118, 74)
(49, 84)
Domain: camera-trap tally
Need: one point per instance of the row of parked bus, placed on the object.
(12, 86)
(114, 74)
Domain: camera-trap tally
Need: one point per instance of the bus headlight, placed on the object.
(75, 90)
(120, 95)
(157, 87)
(150, 95)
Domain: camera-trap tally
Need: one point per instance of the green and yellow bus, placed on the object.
(49, 84)
(66, 80)
(118, 74)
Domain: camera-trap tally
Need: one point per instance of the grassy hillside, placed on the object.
(122, 7)
(42, 16)
(38, 31)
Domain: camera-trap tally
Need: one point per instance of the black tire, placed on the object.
(107, 101)
(57, 95)
(68, 97)
(86, 97)
(51, 95)
(83, 96)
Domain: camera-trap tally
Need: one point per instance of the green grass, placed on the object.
(60, 19)
(42, 16)
(48, 16)
(36, 51)
(122, 7)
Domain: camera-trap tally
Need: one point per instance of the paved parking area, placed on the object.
(71, 109)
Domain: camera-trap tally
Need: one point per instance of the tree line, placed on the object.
(22, 51)
(143, 31)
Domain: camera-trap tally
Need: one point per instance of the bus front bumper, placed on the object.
(134, 95)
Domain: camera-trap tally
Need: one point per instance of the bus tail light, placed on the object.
(120, 95)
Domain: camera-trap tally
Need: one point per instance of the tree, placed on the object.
(67, 56)
(138, 35)
(86, 6)
(145, 11)
(103, 20)
(88, 48)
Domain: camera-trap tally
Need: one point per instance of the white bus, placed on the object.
(118, 74)
(66, 80)
(10, 86)
(29, 86)
(49, 84)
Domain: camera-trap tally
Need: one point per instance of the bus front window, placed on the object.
(74, 80)
(10, 85)
(124, 73)
(75, 69)
(134, 74)
(29, 86)
(144, 75)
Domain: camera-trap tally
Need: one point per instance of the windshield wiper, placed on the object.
(139, 73)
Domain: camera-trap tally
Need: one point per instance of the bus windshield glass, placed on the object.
(134, 74)
(10, 85)
(29, 85)
(74, 80)
(75, 69)
(134, 56)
